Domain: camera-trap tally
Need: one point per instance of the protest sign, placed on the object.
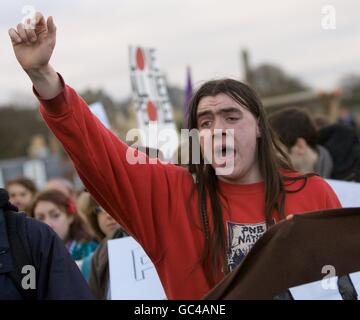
(152, 104)
(132, 274)
(2, 184)
(35, 170)
(347, 192)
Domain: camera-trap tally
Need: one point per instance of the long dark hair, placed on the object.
(271, 158)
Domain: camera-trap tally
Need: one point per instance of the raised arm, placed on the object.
(143, 198)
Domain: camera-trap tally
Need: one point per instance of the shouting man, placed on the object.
(196, 225)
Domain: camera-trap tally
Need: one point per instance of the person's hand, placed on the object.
(34, 47)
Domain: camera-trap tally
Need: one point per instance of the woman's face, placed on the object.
(20, 196)
(53, 216)
(107, 224)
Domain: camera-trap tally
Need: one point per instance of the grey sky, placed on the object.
(93, 40)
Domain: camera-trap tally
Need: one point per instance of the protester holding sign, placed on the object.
(195, 226)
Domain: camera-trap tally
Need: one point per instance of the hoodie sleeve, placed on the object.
(137, 195)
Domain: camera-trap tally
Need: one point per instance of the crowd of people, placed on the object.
(77, 219)
(195, 225)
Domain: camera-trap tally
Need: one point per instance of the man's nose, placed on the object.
(219, 128)
(219, 124)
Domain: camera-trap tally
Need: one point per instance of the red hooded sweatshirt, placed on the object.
(151, 200)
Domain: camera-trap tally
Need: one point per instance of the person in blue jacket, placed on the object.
(34, 263)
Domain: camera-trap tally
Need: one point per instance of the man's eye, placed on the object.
(205, 124)
(232, 118)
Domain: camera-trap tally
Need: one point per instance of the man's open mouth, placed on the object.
(224, 152)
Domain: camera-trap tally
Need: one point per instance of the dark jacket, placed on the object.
(343, 144)
(57, 275)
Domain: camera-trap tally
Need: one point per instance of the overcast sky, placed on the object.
(93, 40)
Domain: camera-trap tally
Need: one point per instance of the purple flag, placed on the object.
(188, 96)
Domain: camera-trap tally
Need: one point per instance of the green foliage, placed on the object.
(17, 127)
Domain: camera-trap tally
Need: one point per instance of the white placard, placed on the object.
(35, 170)
(316, 291)
(132, 274)
(98, 110)
(2, 184)
(355, 279)
(347, 192)
(153, 109)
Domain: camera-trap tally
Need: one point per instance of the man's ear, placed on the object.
(258, 132)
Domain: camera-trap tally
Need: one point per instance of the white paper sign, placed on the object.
(355, 279)
(2, 185)
(132, 274)
(347, 192)
(35, 170)
(153, 109)
(316, 291)
(98, 110)
(319, 290)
